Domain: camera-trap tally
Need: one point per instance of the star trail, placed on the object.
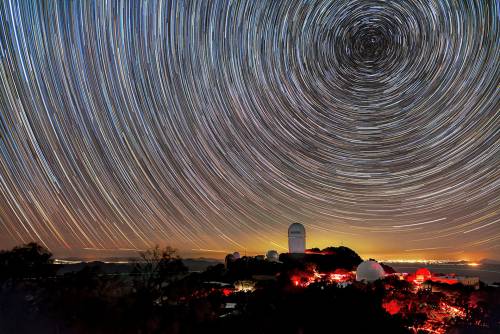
(213, 125)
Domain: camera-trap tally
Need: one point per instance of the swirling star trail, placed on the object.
(213, 125)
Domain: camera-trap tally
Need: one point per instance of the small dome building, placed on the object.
(422, 275)
(369, 271)
(272, 256)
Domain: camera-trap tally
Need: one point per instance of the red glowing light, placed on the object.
(422, 275)
(423, 272)
(392, 307)
(308, 251)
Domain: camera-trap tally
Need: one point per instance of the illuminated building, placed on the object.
(369, 271)
(244, 285)
(469, 281)
(296, 238)
(422, 275)
(454, 279)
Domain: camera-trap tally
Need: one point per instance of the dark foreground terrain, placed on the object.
(247, 295)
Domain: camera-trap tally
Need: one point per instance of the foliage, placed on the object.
(152, 273)
(158, 296)
(29, 261)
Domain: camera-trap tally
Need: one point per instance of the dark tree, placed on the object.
(155, 269)
(27, 261)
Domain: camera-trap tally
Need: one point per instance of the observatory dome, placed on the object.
(369, 271)
(423, 272)
(422, 275)
(272, 256)
(236, 255)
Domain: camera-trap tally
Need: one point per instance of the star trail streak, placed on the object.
(213, 125)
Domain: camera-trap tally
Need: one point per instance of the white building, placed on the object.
(272, 256)
(296, 238)
(369, 271)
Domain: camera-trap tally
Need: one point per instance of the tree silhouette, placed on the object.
(155, 269)
(27, 261)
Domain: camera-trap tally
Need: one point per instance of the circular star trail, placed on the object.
(215, 124)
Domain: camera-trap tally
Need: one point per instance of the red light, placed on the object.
(392, 307)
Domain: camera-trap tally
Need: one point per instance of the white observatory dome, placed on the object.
(369, 271)
(296, 238)
(272, 256)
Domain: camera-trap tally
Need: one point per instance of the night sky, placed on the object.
(213, 125)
